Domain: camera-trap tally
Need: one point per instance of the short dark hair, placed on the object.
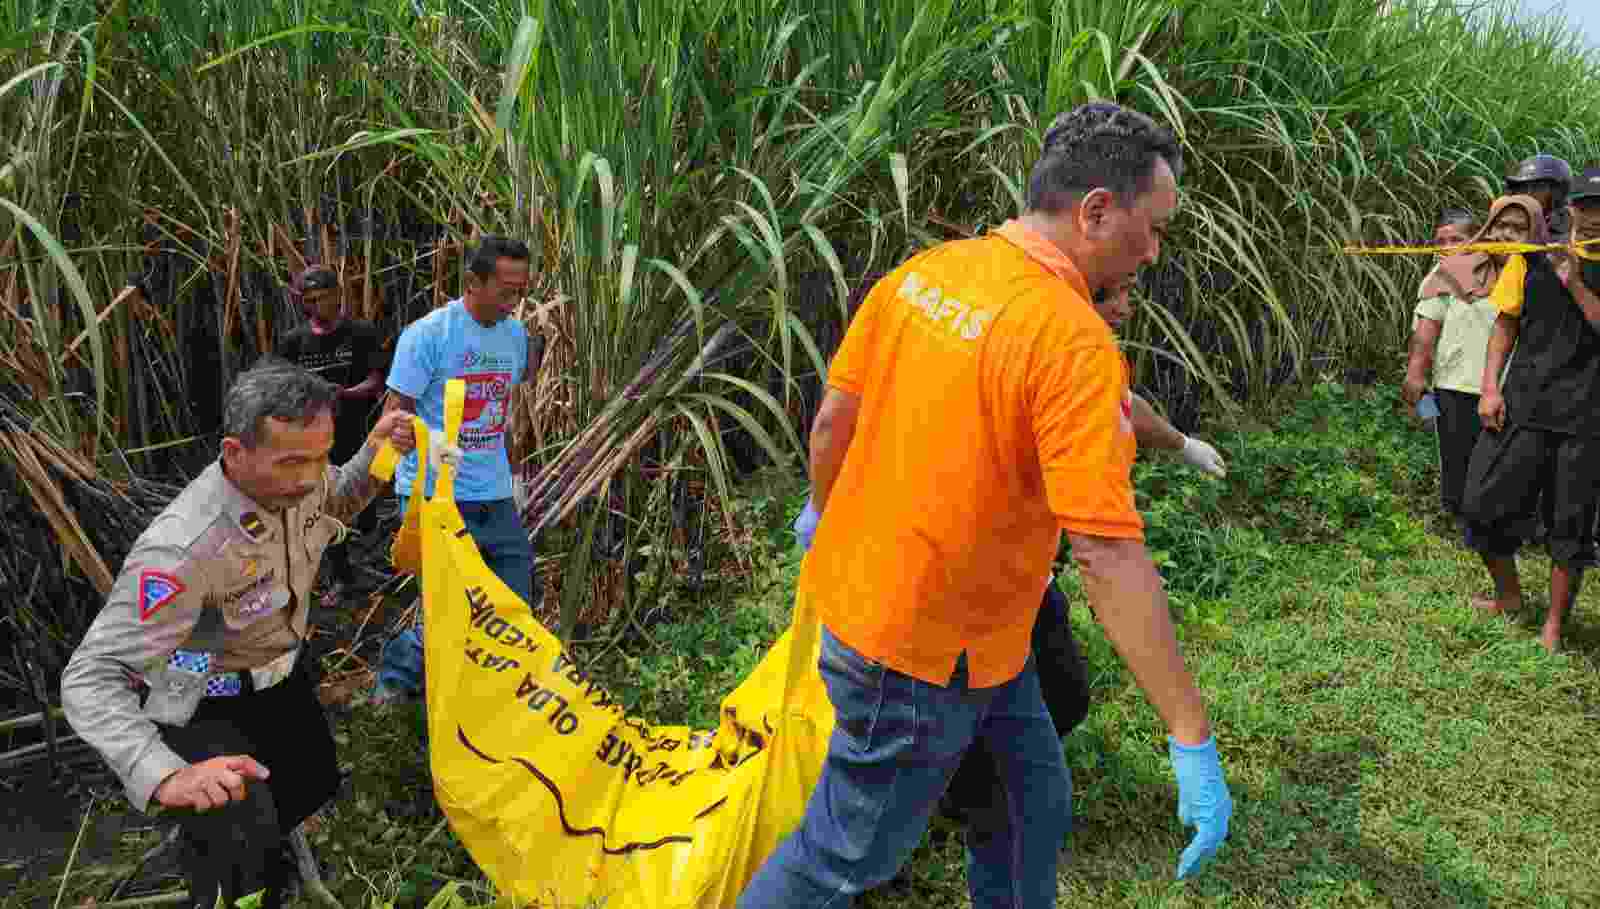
(1099, 145)
(1457, 217)
(274, 388)
(490, 249)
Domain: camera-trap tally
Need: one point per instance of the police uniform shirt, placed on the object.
(215, 586)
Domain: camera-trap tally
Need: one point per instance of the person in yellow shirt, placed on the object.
(1449, 342)
(978, 407)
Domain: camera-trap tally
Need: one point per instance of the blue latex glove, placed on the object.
(805, 526)
(1203, 801)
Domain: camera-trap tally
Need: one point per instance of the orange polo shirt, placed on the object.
(995, 412)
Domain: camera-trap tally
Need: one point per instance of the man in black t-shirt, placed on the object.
(348, 353)
(1540, 446)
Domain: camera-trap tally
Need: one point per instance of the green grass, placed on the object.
(1385, 746)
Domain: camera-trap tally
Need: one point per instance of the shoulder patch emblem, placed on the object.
(156, 590)
(251, 523)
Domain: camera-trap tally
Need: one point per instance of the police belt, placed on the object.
(234, 684)
(230, 684)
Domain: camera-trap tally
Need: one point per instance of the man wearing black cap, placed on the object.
(346, 352)
(1547, 179)
(1585, 201)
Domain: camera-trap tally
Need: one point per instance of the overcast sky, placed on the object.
(1585, 14)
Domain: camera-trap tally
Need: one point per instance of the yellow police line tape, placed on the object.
(1576, 248)
(562, 796)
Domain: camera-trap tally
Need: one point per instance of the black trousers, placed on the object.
(975, 794)
(1520, 475)
(237, 849)
(1458, 427)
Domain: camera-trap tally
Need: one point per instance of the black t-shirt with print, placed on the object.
(1554, 379)
(344, 356)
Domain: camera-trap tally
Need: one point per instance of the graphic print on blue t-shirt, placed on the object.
(449, 344)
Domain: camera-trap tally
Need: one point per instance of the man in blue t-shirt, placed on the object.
(474, 339)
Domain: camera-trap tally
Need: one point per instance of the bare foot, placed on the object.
(1496, 606)
(1550, 640)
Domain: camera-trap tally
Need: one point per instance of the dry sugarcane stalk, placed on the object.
(294, 262)
(10, 286)
(264, 329)
(369, 296)
(310, 873)
(355, 641)
(28, 720)
(232, 307)
(72, 857)
(18, 755)
(69, 532)
(168, 843)
(124, 295)
(67, 461)
(47, 496)
(171, 898)
(441, 259)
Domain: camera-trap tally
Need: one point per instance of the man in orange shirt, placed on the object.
(975, 796)
(977, 407)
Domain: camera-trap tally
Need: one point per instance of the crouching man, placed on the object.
(189, 682)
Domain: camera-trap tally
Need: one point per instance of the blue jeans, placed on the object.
(496, 529)
(896, 743)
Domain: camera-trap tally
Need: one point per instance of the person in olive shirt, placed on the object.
(1541, 423)
(1449, 342)
(347, 352)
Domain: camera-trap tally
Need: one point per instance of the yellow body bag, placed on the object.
(561, 797)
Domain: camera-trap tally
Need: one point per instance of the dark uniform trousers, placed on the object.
(975, 794)
(238, 849)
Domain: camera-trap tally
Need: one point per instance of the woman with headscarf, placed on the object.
(1449, 340)
(1540, 448)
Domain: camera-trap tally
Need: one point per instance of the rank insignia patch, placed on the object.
(156, 590)
(251, 523)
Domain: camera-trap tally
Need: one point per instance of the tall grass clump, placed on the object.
(706, 187)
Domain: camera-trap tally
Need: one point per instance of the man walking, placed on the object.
(975, 794)
(190, 682)
(474, 339)
(976, 408)
(348, 353)
(1541, 436)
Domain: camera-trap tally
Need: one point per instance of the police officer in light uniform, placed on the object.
(190, 683)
